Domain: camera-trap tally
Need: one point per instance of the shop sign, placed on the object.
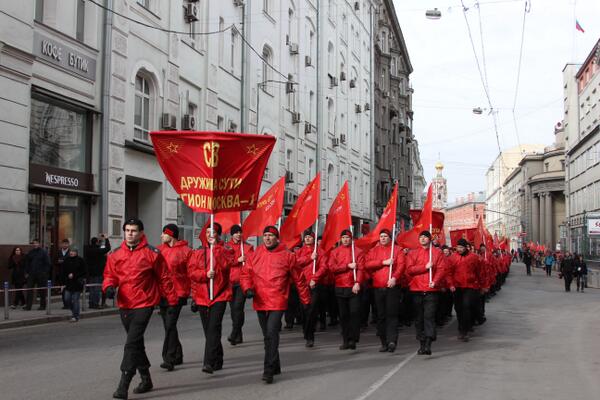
(58, 178)
(593, 226)
(64, 56)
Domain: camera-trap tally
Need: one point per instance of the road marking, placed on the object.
(374, 387)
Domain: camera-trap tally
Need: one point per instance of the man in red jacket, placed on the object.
(142, 277)
(386, 270)
(238, 300)
(176, 253)
(422, 263)
(266, 278)
(212, 310)
(348, 277)
(466, 281)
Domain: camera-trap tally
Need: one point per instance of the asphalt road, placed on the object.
(539, 343)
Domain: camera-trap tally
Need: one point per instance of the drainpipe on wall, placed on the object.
(105, 123)
(372, 122)
(243, 72)
(319, 97)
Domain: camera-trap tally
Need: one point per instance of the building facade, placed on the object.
(51, 76)
(582, 138)
(392, 112)
(505, 163)
(418, 177)
(439, 189)
(87, 86)
(464, 213)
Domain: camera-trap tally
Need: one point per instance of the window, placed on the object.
(220, 123)
(311, 104)
(288, 160)
(330, 59)
(39, 10)
(221, 40)
(267, 55)
(233, 46)
(145, 3)
(59, 135)
(267, 6)
(80, 20)
(330, 116)
(141, 119)
(311, 166)
(330, 181)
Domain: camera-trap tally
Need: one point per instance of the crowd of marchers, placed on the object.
(386, 284)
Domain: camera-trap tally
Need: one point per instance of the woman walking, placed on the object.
(16, 265)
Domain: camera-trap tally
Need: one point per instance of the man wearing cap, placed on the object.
(212, 309)
(266, 278)
(307, 256)
(487, 278)
(348, 277)
(422, 263)
(444, 311)
(379, 261)
(238, 300)
(176, 253)
(141, 275)
(466, 280)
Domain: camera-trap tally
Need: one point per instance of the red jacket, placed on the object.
(269, 274)
(141, 274)
(234, 274)
(379, 272)
(177, 259)
(468, 271)
(305, 263)
(339, 258)
(489, 271)
(198, 267)
(416, 261)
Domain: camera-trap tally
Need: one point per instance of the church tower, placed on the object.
(440, 190)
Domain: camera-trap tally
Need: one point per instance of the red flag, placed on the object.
(479, 234)
(504, 244)
(338, 218)
(579, 27)
(225, 219)
(468, 234)
(410, 239)
(386, 221)
(214, 171)
(268, 210)
(437, 225)
(303, 215)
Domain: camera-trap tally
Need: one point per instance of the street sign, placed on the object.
(593, 226)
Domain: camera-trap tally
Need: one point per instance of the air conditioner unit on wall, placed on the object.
(289, 177)
(188, 122)
(342, 76)
(295, 118)
(358, 108)
(307, 127)
(294, 49)
(367, 106)
(356, 5)
(238, 3)
(307, 61)
(335, 142)
(168, 121)
(334, 80)
(191, 12)
(352, 83)
(343, 138)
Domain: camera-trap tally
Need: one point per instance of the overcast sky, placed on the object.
(447, 84)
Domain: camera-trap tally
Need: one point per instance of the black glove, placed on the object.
(249, 293)
(194, 307)
(182, 301)
(110, 292)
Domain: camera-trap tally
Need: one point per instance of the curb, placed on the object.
(54, 318)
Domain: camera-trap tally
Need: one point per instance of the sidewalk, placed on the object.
(20, 317)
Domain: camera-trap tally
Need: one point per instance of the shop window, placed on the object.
(141, 120)
(59, 135)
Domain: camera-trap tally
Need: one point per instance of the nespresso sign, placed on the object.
(65, 56)
(50, 177)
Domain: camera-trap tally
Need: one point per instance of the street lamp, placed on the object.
(433, 14)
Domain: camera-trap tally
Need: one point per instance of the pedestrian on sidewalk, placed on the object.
(567, 268)
(94, 256)
(527, 259)
(549, 261)
(238, 300)
(56, 271)
(581, 272)
(140, 274)
(16, 265)
(74, 272)
(37, 268)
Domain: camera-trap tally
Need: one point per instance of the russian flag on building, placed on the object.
(579, 27)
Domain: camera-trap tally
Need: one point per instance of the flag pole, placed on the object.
(242, 240)
(430, 256)
(314, 269)
(212, 234)
(353, 254)
(392, 254)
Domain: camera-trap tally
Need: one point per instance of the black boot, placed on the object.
(123, 388)
(146, 383)
(427, 350)
(384, 346)
(421, 350)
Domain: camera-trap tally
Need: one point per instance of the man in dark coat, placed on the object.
(73, 275)
(95, 259)
(37, 268)
(527, 260)
(567, 267)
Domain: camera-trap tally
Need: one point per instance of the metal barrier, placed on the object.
(593, 278)
(7, 291)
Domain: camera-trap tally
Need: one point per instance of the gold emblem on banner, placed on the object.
(211, 154)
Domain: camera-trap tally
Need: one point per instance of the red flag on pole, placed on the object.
(225, 219)
(267, 212)
(338, 219)
(303, 215)
(479, 234)
(437, 229)
(386, 221)
(579, 27)
(410, 239)
(214, 171)
(468, 234)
